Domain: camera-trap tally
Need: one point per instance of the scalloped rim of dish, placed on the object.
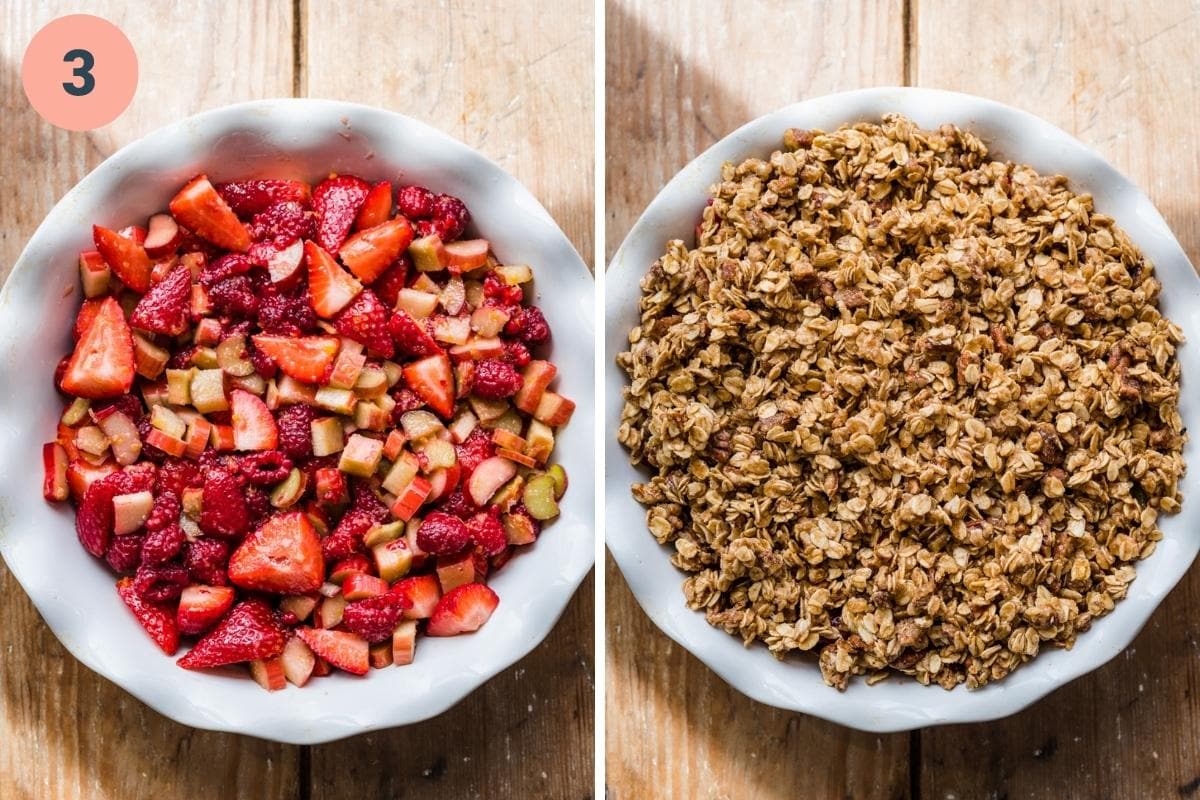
(795, 684)
(535, 587)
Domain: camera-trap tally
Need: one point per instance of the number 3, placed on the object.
(83, 72)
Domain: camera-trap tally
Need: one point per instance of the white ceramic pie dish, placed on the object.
(75, 593)
(895, 704)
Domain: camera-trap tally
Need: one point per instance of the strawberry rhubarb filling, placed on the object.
(305, 423)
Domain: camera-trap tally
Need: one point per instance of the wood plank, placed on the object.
(68, 733)
(518, 87)
(1110, 72)
(680, 76)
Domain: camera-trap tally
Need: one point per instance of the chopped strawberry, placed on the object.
(248, 632)
(305, 358)
(370, 252)
(346, 651)
(54, 464)
(247, 198)
(165, 308)
(87, 314)
(393, 279)
(463, 609)
(253, 426)
(376, 208)
(102, 364)
(283, 556)
(432, 379)
(204, 213)
(337, 201)
(422, 593)
(411, 336)
(201, 607)
(365, 320)
(125, 257)
(156, 618)
(331, 288)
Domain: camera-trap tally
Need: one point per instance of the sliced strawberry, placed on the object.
(365, 320)
(125, 257)
(102, 364)
(87, 314)
(201, 607)
(81, 475)
(393, 279)
(337, 201)
(305, 358)
(376, 208)
(156, 618)
(330, 286)
(369, 253)
(248, 632)
(54, 465)
(422, 592)
(247, 198)
(204, 213)
(165, 308)
(432, 380)
(346, 651)
(283, 556)
(411, 336)
(463, 609)
(253, 426)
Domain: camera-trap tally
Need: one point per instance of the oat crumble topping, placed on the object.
(904, 405)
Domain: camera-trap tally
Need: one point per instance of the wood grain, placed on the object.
(69, 734)
(680, 76)
(1121, 77)
(518, 88)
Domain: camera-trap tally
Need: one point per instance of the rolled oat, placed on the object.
(906, 406)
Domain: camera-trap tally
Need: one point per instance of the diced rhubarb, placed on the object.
(404, 643)
(163, 236)
(298, 661)
(358, 586)
(464, 255)
(411, 498)
(553, 409)
(171, 445)
(268, 673)
(490, 475)
(536, 376)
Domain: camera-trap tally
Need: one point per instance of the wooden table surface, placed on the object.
(1120, 75)
(509, 85)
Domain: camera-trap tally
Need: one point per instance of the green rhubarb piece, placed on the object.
(384, 533)
(539, 497)
(76, 411)
(288, 491)
(559, 475)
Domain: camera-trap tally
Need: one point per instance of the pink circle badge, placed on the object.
(79, 72)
